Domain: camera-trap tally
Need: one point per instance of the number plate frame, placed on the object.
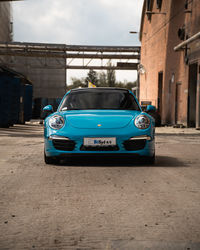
(99, 141)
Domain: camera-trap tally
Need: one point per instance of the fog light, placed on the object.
(57, 137)
(141, 137)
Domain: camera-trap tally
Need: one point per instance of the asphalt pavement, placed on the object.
(99, 203)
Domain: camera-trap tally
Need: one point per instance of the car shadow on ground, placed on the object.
(161, 161)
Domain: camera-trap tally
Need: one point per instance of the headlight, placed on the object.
(56, 122)
(142, 121)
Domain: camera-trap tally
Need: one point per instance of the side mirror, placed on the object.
(151, 108)
(48, 109)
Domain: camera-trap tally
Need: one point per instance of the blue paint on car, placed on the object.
(110, 118)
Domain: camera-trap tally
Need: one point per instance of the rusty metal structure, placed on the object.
(46, 65)
(95, 54)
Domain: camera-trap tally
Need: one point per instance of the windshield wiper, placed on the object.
(73, 109)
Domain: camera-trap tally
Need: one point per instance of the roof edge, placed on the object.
(142, 20)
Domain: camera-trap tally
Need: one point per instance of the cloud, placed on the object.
(77, 22)
(86, 22)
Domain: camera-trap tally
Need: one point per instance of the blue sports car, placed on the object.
(98, 121)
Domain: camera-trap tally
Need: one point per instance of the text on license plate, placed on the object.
(100, 141)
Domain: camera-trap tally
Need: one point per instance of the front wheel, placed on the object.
(51, 160)
(150, 160)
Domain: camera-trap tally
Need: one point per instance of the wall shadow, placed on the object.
(27, 130)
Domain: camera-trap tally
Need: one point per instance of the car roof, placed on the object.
(99, 88)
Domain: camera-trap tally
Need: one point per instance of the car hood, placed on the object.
(100, 119)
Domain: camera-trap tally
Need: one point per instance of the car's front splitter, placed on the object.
(50, 150)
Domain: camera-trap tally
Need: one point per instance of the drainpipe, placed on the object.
(186, 42)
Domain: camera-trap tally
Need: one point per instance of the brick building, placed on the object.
(170, 59)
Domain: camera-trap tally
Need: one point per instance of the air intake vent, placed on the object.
(132, 145)
(64, 145)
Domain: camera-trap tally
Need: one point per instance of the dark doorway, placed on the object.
(192, 93)
(160, 90)
(177, 102)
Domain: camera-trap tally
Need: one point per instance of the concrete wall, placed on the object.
(159, 36)
(47, 83)
(5, 22)
(5, 25)
(48, 75)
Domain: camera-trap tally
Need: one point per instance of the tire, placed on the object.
(51, 160)
(150, 160)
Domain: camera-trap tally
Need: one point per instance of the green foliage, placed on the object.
(126, 85)
(101, 79)
(92, 77)
(77, 83)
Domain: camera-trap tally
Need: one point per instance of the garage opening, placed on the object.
(192, 93)
(160, 91)
(178, 103)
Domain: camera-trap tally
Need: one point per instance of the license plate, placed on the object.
(103, 142)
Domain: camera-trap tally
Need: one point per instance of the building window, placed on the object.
(159, 4)
(181, 33)
(148, 2)
(148, 8)
(186, 4)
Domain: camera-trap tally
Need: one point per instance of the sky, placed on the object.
(79, 22)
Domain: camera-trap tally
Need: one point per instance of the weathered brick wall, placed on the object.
(154, 36)
(158, 39)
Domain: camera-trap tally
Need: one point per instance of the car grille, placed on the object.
(65, 145)
(99, 148)
(132, 145)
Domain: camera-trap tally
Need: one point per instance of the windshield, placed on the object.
(99, 99)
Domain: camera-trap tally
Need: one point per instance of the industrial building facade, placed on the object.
(48, 75)
(6, 31)
(6, 26)
(170, 59)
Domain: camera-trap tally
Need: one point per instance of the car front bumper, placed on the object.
(73, 146)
